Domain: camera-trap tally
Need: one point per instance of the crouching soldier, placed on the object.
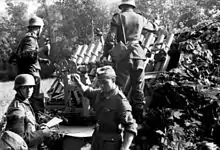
(113, 112)
(20, 115)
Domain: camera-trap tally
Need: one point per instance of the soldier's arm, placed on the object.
(45, 49)
(88, 91)
(127, 121)
(28, 49)
(111, 36)
(91, 94)
(30, 44)
(16, 123)
(149, 26)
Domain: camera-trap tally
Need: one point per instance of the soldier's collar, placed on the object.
(107, 95)
(26, 101)
(20, 98)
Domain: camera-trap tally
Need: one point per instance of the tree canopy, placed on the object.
(72, 22)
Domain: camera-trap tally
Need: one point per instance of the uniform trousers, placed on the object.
(133, 70)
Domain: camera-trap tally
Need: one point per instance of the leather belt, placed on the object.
(105, 129)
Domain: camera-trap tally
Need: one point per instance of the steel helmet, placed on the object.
(24, 80)
(11, 140)
(36, 22)
(127, 2)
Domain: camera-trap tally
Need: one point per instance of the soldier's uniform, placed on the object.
(21, 120)
(12, 141)
(28, 61)
(112, 110)
(27, 52)
(133, 65)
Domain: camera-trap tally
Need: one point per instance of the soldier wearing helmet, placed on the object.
(112, 111)
(28, 59)
(20, 115)
(133, 64)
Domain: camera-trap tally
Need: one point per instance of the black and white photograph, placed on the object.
(109, 75)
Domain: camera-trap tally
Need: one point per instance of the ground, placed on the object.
(7, 93)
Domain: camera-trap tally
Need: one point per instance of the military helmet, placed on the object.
(24, 80)
(127, 2)
(36, 22)
(10, 140)
(105, 72)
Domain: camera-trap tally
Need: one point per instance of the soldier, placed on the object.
(28, 49)
(133, 65)
(12, 141)
(20, 115)
(112, 111)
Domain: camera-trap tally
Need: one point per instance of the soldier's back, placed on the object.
(133, 23)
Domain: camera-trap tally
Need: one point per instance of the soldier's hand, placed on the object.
(157, 22)
(48, 62)
(76, 78)
(47, 132)
(43, 126)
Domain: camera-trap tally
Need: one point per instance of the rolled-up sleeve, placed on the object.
(125, 116)
(91, 94)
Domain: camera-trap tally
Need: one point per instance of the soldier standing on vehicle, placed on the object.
(28, 49)
(20, 115)
(133, 64)
(112, 110)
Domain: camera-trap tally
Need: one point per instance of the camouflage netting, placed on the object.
(184, 110)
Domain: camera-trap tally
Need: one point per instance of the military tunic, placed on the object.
(28, 58)
(21, 120)
(133, 65)
(112, 110)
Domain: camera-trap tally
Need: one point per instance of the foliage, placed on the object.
(67, 32)
(12, 29)
(184, 111)
(172, 12)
